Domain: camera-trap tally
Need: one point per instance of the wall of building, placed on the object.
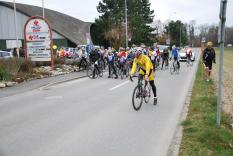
(7, 28)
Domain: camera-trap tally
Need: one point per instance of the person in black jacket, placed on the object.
(94, 57)
(208, 58)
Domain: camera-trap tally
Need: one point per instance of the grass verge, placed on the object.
(227, 79)
(201, 136)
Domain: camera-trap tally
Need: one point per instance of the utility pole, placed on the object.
(43, 8)
(222, 16)
(180, 33)
(16, 31)
(126, 25)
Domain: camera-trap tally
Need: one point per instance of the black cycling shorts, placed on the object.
(208, 65)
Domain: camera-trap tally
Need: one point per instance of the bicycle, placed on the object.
(124, 70)
(83, 63)
(91, 68)
(174, 67)
(141, 92)
(189, 62)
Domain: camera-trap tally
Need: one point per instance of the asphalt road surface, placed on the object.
(88, 117)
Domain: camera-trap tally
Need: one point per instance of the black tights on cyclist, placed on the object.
(152, 84)
(94, 71)
(165, 60)
(111, 66)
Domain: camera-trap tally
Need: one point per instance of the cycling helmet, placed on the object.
(209, 44)
(138, 52)
(173, 47)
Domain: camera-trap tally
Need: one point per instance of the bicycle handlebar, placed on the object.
(131, 77)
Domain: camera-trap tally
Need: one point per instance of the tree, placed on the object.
(110, 26)
(177, 30)
(191, 27)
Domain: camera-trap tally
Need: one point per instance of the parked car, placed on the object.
(6, 54)
(183, 56)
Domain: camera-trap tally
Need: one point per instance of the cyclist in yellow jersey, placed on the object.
(146, 69)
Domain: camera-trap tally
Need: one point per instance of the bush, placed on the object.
(12, 65)
(5, 75)
(59, 61)
(26, 66)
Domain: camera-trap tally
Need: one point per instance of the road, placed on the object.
(88, 117)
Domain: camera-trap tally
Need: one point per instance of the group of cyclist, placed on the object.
(141, 59)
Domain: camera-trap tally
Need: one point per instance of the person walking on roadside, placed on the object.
(15, 54)
(208, 58)
(21, 52)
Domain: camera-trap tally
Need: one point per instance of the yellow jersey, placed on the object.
(144, 62)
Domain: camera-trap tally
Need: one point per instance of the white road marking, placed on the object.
(122, 84)
(54, 97)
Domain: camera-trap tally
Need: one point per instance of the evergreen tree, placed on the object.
(177, 30)
(109, 28)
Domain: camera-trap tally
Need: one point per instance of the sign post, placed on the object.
(222, 16)
(38, 40)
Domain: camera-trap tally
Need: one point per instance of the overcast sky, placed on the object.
(202, 11)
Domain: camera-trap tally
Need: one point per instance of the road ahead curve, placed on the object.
(93, 118)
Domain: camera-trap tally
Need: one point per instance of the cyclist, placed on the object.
(165, 57)
(175, 56)
(94, 57)
(208, 57)
(111, 60)
(130, 57)
(153, 58)
(157, 58)
(146, 68)
(189, 54)
(83, 58)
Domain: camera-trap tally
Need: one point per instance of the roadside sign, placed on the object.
(203, 40)
(38, 39)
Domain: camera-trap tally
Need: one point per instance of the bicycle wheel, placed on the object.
(137, 98)
(172, 69)
(191, 63)
(101, 72)
(177, 69)
(147, 93)
(121, 73)
(166, 64)
(90, 70)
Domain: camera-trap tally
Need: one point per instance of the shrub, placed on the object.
(12, 65)
(26, 66)
(5, 75)
(59, 61)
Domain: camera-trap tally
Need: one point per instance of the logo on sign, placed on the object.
(36, 27)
